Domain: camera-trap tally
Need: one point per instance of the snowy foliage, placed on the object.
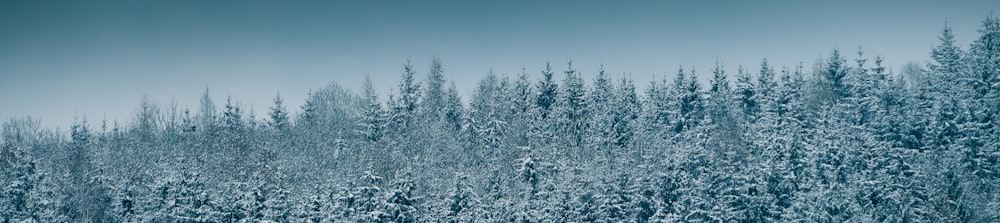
(848, 141)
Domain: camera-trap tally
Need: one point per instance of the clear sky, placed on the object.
(60, 59)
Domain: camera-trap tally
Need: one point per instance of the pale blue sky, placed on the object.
(59, 59)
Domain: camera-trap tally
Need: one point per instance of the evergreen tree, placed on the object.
(720, 81)
(454, 110)
(434, 98)
(547, 92)
(764, 89)
(409, 94)
(626, 107)
(309, 116)
(831, 78)
(979, 140)
(688, 96)
(659, 110)
(182, 197)
(947, 56)
(373, 120)
(984, 59)
(745, 94)
(602, 123)
(570, 112)
(279, 115)
(524, 110)
(26, 192)
(400, 204)
(232, 124)
(462, 203)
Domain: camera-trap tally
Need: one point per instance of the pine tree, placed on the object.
(487, 118)
(601, 129)
(570, 112)
(984, 59)
(979, 140)
(26, 192)
(719, 94)
(279, 115)
(720, 81)
(183, 197)
(745, 95)
(688, 96)
(721, 123)
(547, 92)
(524, 108)
(373, 120)
(434, 98)
(400, 204)
(627, 108)
(462, 203)
(454, 111)
(831, 78)
(232, 127)
(84, 196)
(309, 117)
(369, 205)
(764, 89)
(409, 94)
(658, 113)
(947, 56)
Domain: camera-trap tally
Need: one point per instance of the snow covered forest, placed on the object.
(845, 140)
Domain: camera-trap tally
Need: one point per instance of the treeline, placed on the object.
(848, 141)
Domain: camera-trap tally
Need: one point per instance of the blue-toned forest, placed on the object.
(846, 139)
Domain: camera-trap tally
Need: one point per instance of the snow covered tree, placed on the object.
(88, 198)
(688, 96)
(984, 59)
(788, 94)
(745, 94)
(279, 115)
(487, 112)
(658, 112)
(947, 56)
(721, 123)
(454, 111)
(979, 140)
(232, 121)
(570, 113)
(308, 118)
(372, 123)
(852, 142)
(368, 203)
(547, 92)
(830, 79)
(182, 197)
(720, 81)
(601, 129)
(461, 202)
(524, 110)
(27, 193)
(434, 98)
(409, 98)
(764, 88)
(626, 109)
(541, 128)
(400, 204)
